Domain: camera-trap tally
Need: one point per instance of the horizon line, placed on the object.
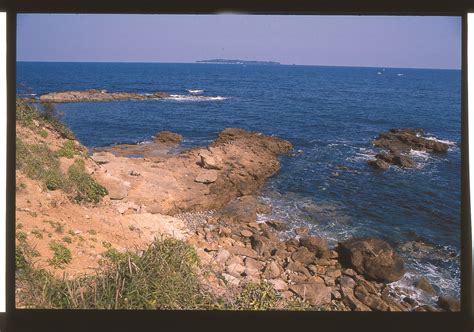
(197, 63)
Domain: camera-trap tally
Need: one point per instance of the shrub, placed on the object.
(257, 297)
(161, 277)
(26, 113)
(83, 186)
(49, 113)
(39, 163)
(43, 133)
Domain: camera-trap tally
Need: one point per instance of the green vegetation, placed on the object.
(68, 150)
(35, 116)
(61, 255)
(20, 186)
(37, 233)
(43, 133)
(67, 239)
(52, 117)
(21, 236)
(257, 297)
(92, 232)
(26, 113)
(39, 163)
(161, 277)
(42, 164)
(56, 225)
(84, 187)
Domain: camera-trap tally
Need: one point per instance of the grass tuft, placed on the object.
(39, 163)
(161, 277)
(83, 186)
(61, 255)
(68, 150)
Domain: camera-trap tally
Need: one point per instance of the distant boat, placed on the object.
(399, 74)
(379, 73)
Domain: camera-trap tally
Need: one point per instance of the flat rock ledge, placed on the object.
(98, 95)
(235, 164)
(397, 143)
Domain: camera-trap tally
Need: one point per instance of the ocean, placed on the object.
(329, 114)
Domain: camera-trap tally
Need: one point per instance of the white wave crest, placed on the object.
(432, 138)
(194, 98)
(417, 154)
(196, 91)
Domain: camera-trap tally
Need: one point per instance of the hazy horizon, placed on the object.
(282, 64)
(421, 42)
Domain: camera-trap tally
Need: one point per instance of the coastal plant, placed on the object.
(257, 297)
(26, 113)
(83, 186)
(39, 163)
(56, 225)
(61, 255)
(67, 239)
(68, 150)
(43, 133)
(37, 233)
(49, 113)
(163, 276)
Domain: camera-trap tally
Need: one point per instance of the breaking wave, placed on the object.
(195, 98)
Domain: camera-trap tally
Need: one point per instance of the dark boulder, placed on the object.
(425, 285)
(379, 164)
(373, 258)
(315, 244)
(449, 303)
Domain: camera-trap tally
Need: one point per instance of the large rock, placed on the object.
(168, 137)
(373, 258)
(425, 285)
(315, 293)
(117, 189)
(315, 244)
(398, 143)
(240, 210)
(449, 303)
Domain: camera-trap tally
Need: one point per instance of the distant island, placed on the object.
(238, 62)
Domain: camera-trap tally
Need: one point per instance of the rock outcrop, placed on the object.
(397, 144)
(373, 258)
(98, 95)
(236, 164)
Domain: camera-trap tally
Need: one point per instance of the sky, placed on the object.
(366, 41)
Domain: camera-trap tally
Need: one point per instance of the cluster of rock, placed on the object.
(397, 144)
(225, 178)
(97, 95)
(351, 277)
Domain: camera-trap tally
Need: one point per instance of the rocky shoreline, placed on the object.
(208, 196)
(226, 178)
(98, 95)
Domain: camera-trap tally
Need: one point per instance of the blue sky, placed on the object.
(373, 41)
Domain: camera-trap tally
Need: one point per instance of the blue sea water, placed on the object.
(329, 114)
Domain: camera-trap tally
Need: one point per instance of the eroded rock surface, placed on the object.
(236, 164)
